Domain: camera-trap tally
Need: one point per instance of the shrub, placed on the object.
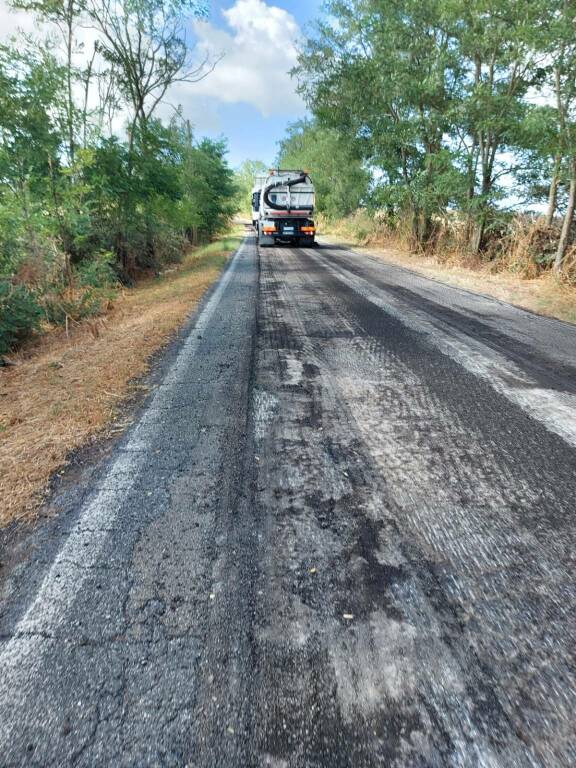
(84, 294)
(19, 315)
(72, 304)
(97, 272)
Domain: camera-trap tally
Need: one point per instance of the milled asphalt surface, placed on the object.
(341, 533)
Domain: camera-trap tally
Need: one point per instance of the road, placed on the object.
(340, 533)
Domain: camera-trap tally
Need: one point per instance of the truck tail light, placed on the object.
(308, 230)
(268, 230)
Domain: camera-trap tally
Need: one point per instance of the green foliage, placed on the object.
(30, 88)
(385, 77)
(19, 315)
(340, 179)
(208, 192)
(437, 98)
(98, 272)
(80, 208)
(244, 181)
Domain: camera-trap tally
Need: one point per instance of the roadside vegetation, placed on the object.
(69, 387)
(95, 190)
(104, 210)
(463, 115)
(244, 180)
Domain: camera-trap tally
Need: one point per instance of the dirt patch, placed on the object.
(64, 391)
(544, 295)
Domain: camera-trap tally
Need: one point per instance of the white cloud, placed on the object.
(11, 21)
(258, 52)
(258, 48)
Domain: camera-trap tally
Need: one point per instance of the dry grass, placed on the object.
(64, 391)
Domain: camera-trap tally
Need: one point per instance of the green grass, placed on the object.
(215, 253)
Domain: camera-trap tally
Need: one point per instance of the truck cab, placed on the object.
(259, 182)
(286, 200)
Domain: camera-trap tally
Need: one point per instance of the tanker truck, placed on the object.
(282, 208)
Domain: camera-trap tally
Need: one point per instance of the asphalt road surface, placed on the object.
(342, 532)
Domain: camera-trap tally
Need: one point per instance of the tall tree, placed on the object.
(145, 41)
(499, 49)
(563, 50)
(65, 16)
(340, 178)
(384, 75)
(432, 90)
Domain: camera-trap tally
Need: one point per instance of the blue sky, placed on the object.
(249, 98)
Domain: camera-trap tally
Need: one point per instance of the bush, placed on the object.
(97, 272)
(73, 304)
(529, 247)
(85, 294)
(359, 227)
(19, 315)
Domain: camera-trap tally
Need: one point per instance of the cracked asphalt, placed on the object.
(340, 533)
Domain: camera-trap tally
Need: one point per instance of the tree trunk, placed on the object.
(477, 242)
(427, 231)
(553, 194)
(414, 228)
(70, 107)
(478, 235)
(86, 96)
(564, 241)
